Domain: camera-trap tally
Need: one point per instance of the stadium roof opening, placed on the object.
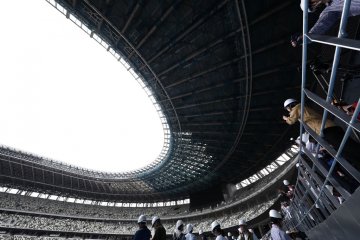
(65, 98)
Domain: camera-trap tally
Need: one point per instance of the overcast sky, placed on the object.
(63, 96)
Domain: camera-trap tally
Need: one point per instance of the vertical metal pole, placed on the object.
(341, 34)
(303, 65)
(303, 80)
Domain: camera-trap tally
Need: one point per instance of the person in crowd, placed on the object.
(347, 108)
(189, 235)
(179, 231)
(160, 232)
(230, 236)
(276, 226)
(217, 231)
(202, 235)
(286, 210)
(143, 233)
(338, 173)
(328, 17)
(332, 134)
(244, 233)
(289, 189)
(283, 197)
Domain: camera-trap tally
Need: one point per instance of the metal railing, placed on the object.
(323, 185)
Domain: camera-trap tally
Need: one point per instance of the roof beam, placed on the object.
(133, 12)
(212, 69)
(200, 51)
(270, 11)
(190, 28)
(237, 80)
(161, 20)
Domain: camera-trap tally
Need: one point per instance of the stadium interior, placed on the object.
(218, 73)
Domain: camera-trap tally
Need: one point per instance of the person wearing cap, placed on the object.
(311, 118)
(217, 231)
(332, 134)
(160, 232)
(290, 189)
(202, 235)
(189, 235)
(244, 232)
(143, 233)
(179, 231)
(276, 222)
(328, 17)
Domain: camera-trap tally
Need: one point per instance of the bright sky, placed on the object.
(63, 96)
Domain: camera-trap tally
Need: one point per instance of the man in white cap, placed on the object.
(332, 134)
(276, 232)
(189, 235)
(179, 231)
(290, 189)
(244, 233)
(217, 231)
(143, 233)
(160, 232)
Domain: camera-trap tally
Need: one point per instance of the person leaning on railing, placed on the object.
(328, 17)
(332, 134)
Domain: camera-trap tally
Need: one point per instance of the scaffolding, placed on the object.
(319, 190)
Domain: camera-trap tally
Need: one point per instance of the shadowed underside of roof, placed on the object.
(220, 71)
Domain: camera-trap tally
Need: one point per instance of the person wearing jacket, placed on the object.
(143, 233)
(244, 233)
(178, 231)
(328, 17)
(276, 223)
(311, 118)
(160, 232)
(332, 134)
(217, 231)
(189, 235)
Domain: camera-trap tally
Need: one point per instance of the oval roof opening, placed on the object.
(65, 98)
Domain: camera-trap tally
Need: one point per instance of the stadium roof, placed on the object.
(218, 71)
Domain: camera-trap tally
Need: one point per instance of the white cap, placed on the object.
(286, 182)
(302, 5)
(274, 214)
(142, 218)
(229, 234)
(201, 231)
(154, 219)
(214, 224)
(242, 222)
(288, 102)
(297, 165)
(189, 228)
(178, 224)
(330, 188)
(250, 230)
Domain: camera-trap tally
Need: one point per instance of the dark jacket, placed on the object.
(180, 237)
(160, 233)
(142, 234)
